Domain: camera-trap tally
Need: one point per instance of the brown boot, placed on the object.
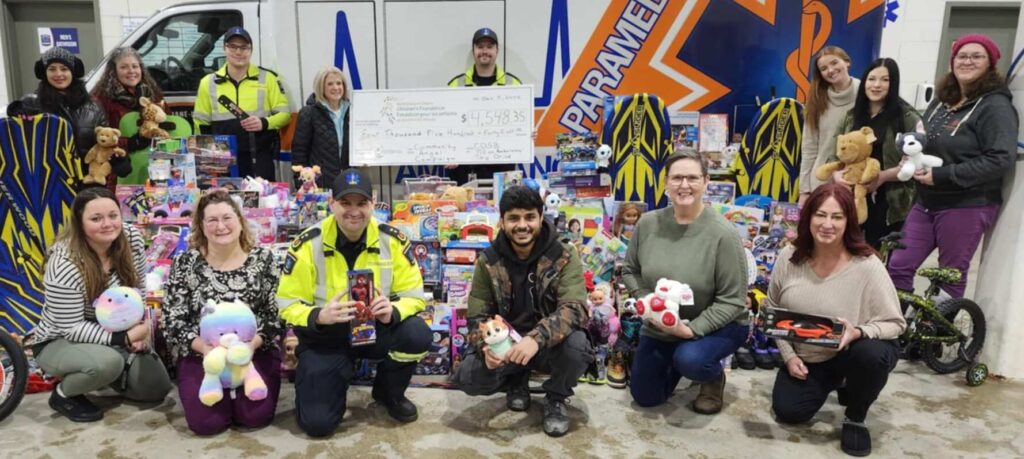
(709, 400)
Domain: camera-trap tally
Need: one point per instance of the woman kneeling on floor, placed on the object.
(691, 243)
(831, 271)
(223, 264)
(95, 252)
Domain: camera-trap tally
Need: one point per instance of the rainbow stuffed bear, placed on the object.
(230, 327)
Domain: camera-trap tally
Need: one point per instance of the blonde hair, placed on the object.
(817, 98)
(197, 239)
(321, 78)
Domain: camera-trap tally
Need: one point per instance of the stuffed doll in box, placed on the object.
(229, 327)
(912, 146)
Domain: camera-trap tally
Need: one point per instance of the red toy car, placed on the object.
(805, 328)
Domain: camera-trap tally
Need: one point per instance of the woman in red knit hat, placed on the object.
(972, 126)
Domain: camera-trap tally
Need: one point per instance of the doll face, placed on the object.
(597, 296)
(630, 216)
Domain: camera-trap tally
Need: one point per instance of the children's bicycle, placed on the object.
(948, 335)
(13, 374)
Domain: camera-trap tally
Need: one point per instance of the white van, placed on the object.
(378, 44)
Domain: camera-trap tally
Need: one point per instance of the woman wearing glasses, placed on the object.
(972, 126)
(222, 264)
(690, 243)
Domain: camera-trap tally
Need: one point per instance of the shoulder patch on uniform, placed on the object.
(409, 255)
(289, 263)
(305, 237)
(393, 232)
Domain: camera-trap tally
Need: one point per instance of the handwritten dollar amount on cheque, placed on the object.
(489, 118)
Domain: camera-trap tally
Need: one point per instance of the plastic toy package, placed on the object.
(361, 290)
(801, 328)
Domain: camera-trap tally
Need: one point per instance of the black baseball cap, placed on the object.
(485, 33)
(237, 32)
(351, 181)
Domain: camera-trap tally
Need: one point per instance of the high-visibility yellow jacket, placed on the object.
(502, 78)
(259, 94)
(315, 272)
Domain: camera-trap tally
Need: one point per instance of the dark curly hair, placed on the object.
(948, 90)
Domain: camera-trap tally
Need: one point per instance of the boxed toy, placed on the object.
(456, 282)
(428, 257)
(361, 290)
(801, 328)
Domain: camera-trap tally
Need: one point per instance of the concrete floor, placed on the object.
(919, 414)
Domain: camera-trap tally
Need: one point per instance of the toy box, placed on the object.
(801, 328)
(456, 282)
(361, 290)
(428, 257)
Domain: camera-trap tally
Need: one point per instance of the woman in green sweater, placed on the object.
(829, 270)
(690, 243)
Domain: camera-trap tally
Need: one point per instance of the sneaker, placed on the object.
(856, 439)
(76, 409)
(710, 398)
(744, 359)
(616, 372)
(518, 397)
(556, 417)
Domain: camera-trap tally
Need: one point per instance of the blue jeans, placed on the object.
(658, 365)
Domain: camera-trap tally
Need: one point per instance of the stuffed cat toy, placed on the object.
(496, 334)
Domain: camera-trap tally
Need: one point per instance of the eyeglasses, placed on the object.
(677, 180)
(213, 221)
(971, 57)
(238, 49)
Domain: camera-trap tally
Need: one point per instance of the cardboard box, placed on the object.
(801, 328)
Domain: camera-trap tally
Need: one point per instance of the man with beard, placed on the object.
(485, 71)
(536, 284)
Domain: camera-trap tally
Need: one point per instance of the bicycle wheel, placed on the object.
(967, 317)
(13, 374)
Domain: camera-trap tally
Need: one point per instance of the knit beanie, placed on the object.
(62, 56)
(990, 47)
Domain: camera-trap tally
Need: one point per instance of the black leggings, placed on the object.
(865, 365)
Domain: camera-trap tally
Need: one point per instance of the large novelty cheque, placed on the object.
(488, 125)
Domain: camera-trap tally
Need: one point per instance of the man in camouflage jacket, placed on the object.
(535, 283)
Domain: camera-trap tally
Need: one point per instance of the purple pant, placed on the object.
(956, 232)
(212, 420)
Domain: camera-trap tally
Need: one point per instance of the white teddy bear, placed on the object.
(663, 304)
(912, 145)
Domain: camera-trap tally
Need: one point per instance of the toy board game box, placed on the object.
(801, 328)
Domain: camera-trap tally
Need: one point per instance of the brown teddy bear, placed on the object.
(860, 169)
(98, 157)
(459, 194)
(152, 115)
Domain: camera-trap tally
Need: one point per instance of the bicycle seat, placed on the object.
(941, 275)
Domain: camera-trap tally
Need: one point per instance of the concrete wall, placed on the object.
(4, 97)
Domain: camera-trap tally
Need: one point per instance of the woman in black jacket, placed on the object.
(62, 92)
(321, 133)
